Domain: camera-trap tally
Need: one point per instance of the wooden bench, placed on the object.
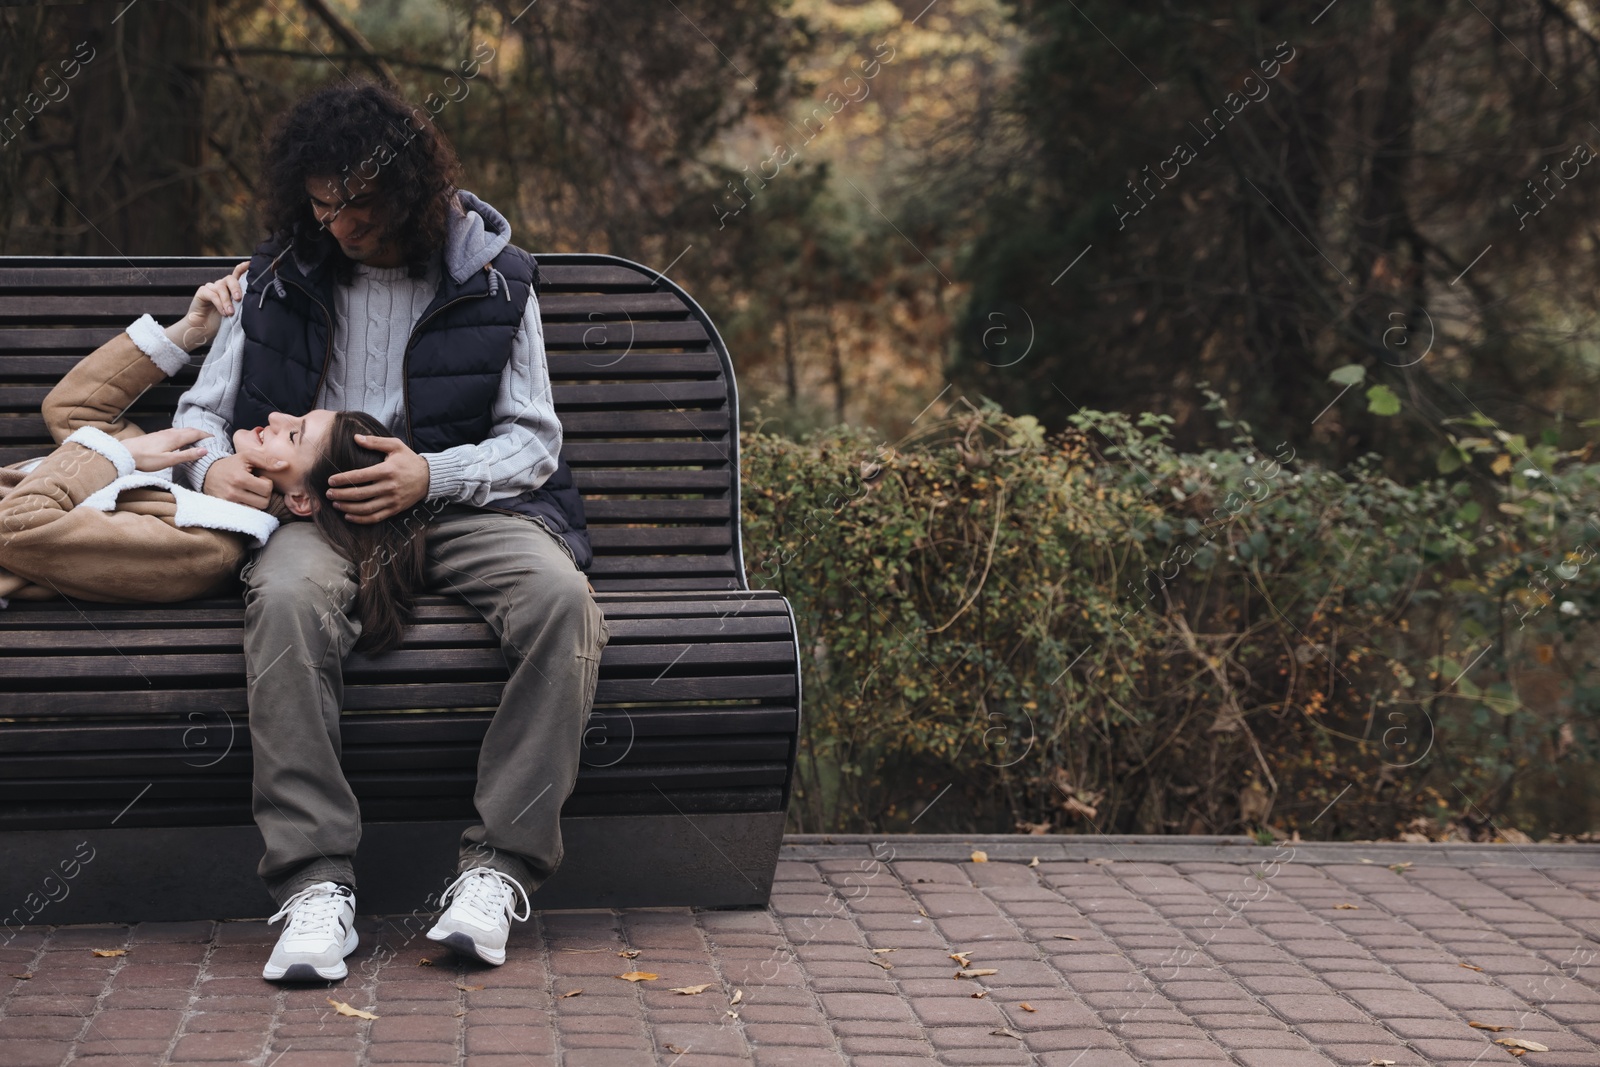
(125, 728)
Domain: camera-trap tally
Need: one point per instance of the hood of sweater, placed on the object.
(476, 234)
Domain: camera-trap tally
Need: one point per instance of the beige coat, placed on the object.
(83, 524)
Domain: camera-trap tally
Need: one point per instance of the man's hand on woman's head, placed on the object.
(164, 448)
(212, 301)
(232, 478)
(382, 490)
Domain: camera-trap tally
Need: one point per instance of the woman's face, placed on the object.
(284, 451)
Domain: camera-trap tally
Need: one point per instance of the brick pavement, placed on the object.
(1255, 957)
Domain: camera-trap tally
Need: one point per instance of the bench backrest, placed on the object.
(642, 382)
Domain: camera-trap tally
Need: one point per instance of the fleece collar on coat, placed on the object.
(193, 509)
(476, 235)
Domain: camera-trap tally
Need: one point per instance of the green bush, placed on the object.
(1002, 631)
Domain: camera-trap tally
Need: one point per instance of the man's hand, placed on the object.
(232, 479)
(382, 490)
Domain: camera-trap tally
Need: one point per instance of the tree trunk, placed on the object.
(140, 110)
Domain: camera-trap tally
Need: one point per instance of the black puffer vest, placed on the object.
(453, 365)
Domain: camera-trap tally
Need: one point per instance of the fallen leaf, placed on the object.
(1469, 966)
(342, 1008)
(1399, 868)
(1516, 1052)
(1025, 1006)
(881, 951)
(674, 1048)
(459, 1014)
(638, 976)
(25, 976)
(564, 996)
(1487, 1026)
(976, 972)
(424, 962)
(980, 994)
(468, 988)
(629, 953)
(885, 964)
(692, 990)
(961, 958)
(1006, 1031)
(980, 857)
(738, 994)
(1379, 1063)
(731, 1014)
(1348, 907)
(109, 951)
(1067, 937)
(1521, 1042)
(921, 912)
(1034, 862)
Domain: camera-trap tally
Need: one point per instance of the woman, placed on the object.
(100, 518)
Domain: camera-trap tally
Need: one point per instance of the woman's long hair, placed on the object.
(388, 555)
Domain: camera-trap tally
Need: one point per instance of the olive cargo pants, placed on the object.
(297, 631)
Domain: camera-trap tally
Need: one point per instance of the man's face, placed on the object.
(285, 450)
(351, 212)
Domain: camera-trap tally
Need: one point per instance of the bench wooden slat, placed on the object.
(197, 731)
(421, 634)
(648, 801)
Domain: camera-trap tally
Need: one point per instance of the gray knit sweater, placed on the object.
(373, 318)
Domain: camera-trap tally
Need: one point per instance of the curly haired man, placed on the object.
(385, 288)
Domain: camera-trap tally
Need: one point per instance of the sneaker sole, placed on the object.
(463, 945)
(305, 972)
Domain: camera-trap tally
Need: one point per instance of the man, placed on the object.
(384, 288)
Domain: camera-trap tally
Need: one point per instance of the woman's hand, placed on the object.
(211, 302)
(164, 448)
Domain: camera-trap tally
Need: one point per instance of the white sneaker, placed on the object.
(482, 903)
(320, 933)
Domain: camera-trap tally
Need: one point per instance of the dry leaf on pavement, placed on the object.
(670, 1047)
(881, 951)
(691, 990)
(976, 972)
(1348, 907)
(1378, 1063)
(1487, 1026)
(109, 951)
(1006, 1031)
(738, 995)
(638, 976)
(458, 1015)
(1034, 862)
(342, 1008)
(980, 994)
(424, 962)
(961, 958)
(1066, 937)
(1025, 1006)
(468, 988)
(564, 996)
(1469, 967)
(1521, 1042)
(885, 964)
(629, 953)
(25, 976)
(980, 856)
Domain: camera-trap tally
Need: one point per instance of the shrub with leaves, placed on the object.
(1094, 632)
